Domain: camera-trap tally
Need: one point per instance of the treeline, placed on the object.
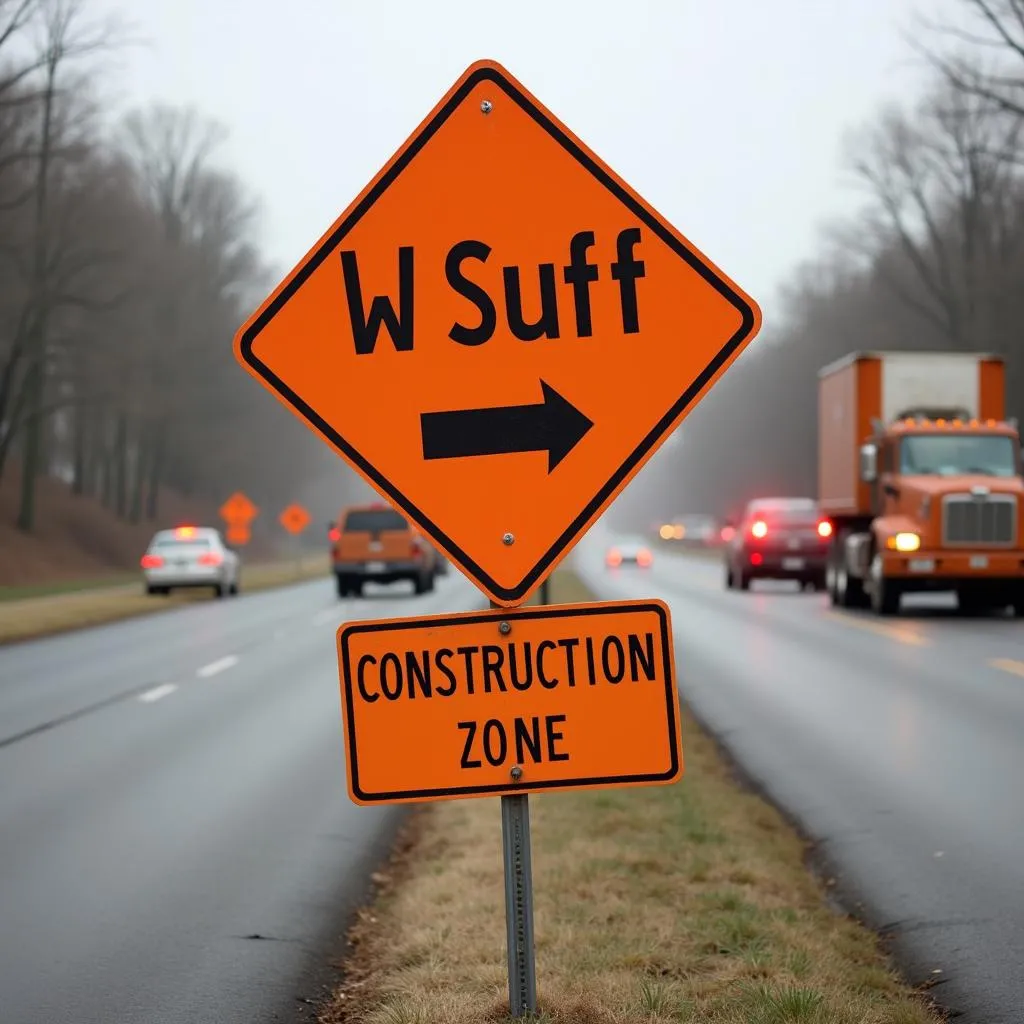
(127, 262)
(935, 262)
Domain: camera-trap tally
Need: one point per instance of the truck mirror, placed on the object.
(868, 463)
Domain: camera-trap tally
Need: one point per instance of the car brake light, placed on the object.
(727, 533)
(759, 529)
(756, 558)
(210, 558)
(615, 557)
(824, 528)
(334, 535)
(185, 531)
(643, 558)
(151, 562)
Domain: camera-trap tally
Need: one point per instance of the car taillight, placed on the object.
(334, 535)
(756, 558)
(614, 557)
(759, 529)
(727, 534)
(824, 529)
(643, 558)
(151, 562)
(210, 558)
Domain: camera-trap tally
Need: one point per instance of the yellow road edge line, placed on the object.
(1011, 665)
(897, 633)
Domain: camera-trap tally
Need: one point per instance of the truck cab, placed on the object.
(936, 503)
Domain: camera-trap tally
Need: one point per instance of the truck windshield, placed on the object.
(954, 454)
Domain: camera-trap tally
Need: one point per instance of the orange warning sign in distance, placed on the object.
(294, 519)
(238, 509)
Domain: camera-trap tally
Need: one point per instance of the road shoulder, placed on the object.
(689, 902)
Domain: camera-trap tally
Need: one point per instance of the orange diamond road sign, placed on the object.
(498, 333)
(238, 509)
(294, 519)
(237, 533)
(572, 696)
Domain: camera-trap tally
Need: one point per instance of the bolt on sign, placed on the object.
(499, 703)
(294, 519)
(238, 509)
(498, 333)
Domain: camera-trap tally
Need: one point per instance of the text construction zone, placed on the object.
(498, 702)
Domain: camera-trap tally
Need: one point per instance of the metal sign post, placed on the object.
(515, 846)
(515, 853)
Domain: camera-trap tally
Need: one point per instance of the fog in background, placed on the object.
(847, 164)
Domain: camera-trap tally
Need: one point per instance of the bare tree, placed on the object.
(985, 57)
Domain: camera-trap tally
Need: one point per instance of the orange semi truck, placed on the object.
(920, 475)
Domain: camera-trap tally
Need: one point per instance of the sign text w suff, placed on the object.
(397, 320)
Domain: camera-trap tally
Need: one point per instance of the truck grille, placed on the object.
(970, 519)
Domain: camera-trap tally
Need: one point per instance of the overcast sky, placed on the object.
(727, 116)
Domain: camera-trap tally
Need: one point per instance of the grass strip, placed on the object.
(670, 904)
(25, 618)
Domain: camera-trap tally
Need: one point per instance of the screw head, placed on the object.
(486, 106)
(508, 539)
(516, 773)
(504, 628)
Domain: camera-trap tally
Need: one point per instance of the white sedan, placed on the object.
(190, 556)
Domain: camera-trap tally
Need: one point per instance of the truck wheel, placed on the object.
(971, 602)
(885, 594)
(743, 580)
(849, 590)
(342, 585)
(830, 584)
(729, 581)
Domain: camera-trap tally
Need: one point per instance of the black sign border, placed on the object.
(571, 534)
(513, 616)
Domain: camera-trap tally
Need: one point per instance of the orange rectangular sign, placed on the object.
(499, 702)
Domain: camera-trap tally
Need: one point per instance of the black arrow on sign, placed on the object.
(554, 426)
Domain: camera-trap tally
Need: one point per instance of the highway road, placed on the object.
(898, 745)
(176, 842)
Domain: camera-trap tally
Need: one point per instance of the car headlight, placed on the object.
(904, 541)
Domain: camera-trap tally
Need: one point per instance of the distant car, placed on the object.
(374, 543)
(778, 538)
(690, 530)
(628, 553)
(190, 556)
(698, 531)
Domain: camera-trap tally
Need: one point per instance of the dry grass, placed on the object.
(682, 903)
(21, 619)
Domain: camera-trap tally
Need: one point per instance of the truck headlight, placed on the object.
(904, 542)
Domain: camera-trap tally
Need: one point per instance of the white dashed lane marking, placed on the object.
(157, 693)
(218, 666)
